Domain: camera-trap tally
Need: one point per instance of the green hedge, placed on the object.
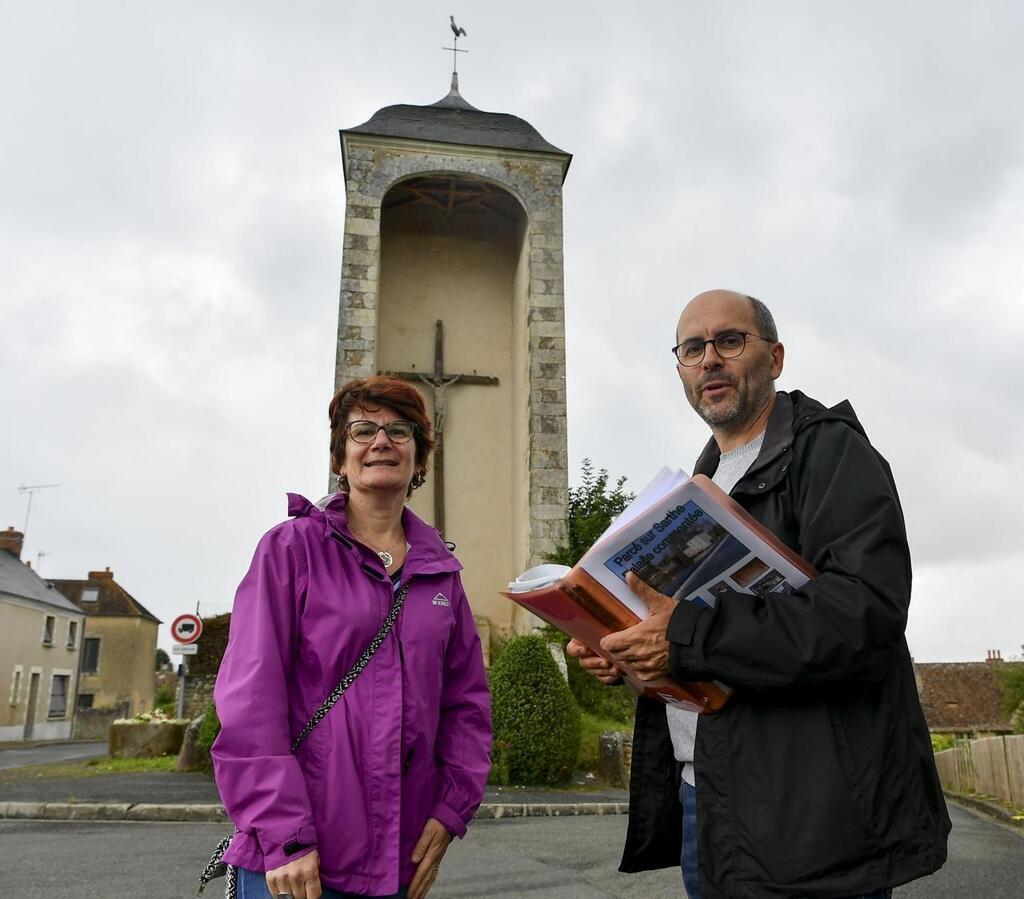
(536, 720)
(208, 730)
(212, 644)
(615, 703)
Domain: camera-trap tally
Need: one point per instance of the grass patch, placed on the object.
(590, 745)
(86, 768)
(122, 766)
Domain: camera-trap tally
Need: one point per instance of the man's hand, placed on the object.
(643, 646)
(603, 670)
(427, 855)
(299, 878)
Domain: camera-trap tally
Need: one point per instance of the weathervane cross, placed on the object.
(457, 31)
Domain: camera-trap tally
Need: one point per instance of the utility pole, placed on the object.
(31, 490)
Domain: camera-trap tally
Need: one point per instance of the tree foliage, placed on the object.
(163, 661)
(1012, 674)
(536, 720)
(592, 507)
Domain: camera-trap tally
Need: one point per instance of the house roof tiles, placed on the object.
(111, 600)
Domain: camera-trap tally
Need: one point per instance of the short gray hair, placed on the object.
(764, 320)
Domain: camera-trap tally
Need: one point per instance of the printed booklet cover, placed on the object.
(687, 539)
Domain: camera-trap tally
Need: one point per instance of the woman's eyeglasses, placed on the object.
(363, 431)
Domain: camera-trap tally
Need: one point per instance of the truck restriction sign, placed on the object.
(187, 628)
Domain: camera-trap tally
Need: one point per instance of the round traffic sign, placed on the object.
(187, 628)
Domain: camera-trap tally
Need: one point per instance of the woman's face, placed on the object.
(381, 464)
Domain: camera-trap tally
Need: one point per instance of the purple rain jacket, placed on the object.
(409, 740)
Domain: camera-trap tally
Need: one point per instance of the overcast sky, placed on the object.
(171, 213)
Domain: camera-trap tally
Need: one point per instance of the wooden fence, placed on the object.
(990, 766)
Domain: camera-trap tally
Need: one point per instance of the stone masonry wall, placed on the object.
(374, 166)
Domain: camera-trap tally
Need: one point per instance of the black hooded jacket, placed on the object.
(817, 778)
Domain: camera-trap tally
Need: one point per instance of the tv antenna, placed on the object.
(31, 490)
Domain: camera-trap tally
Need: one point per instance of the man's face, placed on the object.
(727, 393)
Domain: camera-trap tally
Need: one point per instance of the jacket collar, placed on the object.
(428, 553)
(778, 437)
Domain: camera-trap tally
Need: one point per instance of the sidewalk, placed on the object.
(170, 796)
(989, 807)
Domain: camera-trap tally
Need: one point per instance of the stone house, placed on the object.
(40, 645)
(119, 647)
(964, 699)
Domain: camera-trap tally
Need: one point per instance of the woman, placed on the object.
(368, 803)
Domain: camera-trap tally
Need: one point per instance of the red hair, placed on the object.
(371, 394)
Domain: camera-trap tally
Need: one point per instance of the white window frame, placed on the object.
(90, 594)
(48, 641)
(17, 679)
(72, 633)
(54, 674)
(99, 655)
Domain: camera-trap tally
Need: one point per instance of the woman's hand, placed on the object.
(604, 671)
(427, 855)
(299, 879)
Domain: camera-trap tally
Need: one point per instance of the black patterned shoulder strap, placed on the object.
(356, 669)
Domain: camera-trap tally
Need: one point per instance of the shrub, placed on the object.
(208, 730)
(212, 644)
(536, 719)
(165, 699)
(617, 704)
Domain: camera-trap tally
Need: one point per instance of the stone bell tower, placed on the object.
(452, 279)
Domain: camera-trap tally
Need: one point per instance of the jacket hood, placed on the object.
(793, 413)
(428, 553)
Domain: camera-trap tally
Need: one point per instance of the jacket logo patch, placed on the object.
(441, 600)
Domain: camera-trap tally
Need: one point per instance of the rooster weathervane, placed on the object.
(458, 32)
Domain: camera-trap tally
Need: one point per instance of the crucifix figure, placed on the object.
(438, 383)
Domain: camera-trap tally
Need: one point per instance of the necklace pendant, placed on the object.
(386, 558)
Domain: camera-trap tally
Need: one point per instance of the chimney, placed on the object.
(11, 540)
(994, 656)
(105, 575)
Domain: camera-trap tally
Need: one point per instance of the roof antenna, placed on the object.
(31, 490)
(457, 31)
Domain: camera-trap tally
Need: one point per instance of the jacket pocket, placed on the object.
(799, 813)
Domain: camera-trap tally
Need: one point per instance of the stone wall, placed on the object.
(94, 724)
(375, 165)
(198, 694)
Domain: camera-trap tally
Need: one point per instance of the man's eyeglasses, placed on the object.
(363, 431)
(728, 345)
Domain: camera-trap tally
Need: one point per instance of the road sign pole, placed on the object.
(181, 686)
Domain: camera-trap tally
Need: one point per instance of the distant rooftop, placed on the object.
(101, 595)
(17, 579)
(452, 120)
(963, 696)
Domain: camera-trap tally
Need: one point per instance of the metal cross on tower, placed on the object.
(438, 383)
(457, 31)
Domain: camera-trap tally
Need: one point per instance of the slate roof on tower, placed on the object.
(452, 120)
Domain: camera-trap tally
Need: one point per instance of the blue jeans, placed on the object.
(253, 885)
(688, 857)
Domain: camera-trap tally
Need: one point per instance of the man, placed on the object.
(817, 778)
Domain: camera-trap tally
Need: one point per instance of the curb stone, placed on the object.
(985, 806)
(150, 812)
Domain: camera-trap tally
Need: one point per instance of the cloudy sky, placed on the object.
(171, 211)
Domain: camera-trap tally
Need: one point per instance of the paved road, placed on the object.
(546, 858)
(45, 754)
